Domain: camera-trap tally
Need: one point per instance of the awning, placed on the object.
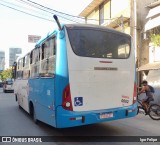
(152, 23)
(114, 23)
(153, 12)
(90, 7)
(153, 4)
(150, 66)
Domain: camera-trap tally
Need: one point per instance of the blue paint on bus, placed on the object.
(46, 94)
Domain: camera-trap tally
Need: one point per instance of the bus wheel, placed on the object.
(34, 117)
(19, 107)
(16, 98)
(33, 113)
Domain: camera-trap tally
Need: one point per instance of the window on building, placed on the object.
(101, 14)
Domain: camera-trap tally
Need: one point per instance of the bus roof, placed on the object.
(43, 39)
(96, 27)
(87, 26)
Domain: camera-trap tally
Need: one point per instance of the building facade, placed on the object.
(2, 60)
(110, 13)
(149, 54)
(13, 55)
(140, 19)
(148, 20)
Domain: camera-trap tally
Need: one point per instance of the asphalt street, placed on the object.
(16, 122)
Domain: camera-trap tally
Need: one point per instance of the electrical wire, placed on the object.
(49, 10)
(25, 12)
(60, 14)
(53, 9)
(11, 7)
(21, 7)
(37, 4)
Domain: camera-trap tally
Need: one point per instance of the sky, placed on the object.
(15, 26)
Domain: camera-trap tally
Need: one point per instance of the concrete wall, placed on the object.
(120, 7)
(93, 17)
(113, 10)
(153, 79)
(142, 44)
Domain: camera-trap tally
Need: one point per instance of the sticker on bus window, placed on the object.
(78, 101)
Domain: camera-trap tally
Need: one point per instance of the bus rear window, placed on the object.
(99, 43)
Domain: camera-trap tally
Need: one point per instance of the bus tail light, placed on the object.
(66, 100)
(135, 93)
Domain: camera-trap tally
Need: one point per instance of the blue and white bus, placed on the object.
(78, 75)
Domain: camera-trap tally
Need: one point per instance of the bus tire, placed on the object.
(34, 117)
(19, 107)
(16, 98)
(33, 113)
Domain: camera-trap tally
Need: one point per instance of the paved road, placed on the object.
(16, 122)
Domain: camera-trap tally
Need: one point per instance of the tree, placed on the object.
(155, 39)
(6, 74)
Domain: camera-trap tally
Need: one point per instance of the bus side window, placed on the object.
(42, 55)
(36, 55)
(31, 57)
(53, 47)
(23, 61)
(35, 64)
(19, 74)
(48, 58)
(18, 65)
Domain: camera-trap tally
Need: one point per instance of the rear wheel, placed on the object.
(33, 113)
(154, 111)
(34, 117)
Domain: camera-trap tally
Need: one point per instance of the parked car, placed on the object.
(1, 84)
(8, 86)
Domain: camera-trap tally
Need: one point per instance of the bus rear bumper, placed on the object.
(71, 118)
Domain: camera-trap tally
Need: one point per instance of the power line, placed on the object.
(20, 7)
(52, 9)
(37, 6)
(44, 8)
(26, 12)
(58, 11)
(11, 7)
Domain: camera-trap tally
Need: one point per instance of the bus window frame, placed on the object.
(102, 30)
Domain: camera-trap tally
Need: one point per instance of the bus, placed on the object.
(79, 74)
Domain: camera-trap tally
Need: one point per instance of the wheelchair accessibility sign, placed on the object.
(78, 101)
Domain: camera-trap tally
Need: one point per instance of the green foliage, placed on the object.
(155, 39)
(6, 74)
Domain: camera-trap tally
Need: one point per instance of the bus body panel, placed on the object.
(111, 84)
(78, 118)
(21, 90)
(42, 95)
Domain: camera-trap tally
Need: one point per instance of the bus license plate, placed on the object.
(106, 115)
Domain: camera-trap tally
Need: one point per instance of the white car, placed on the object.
(8, 86)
